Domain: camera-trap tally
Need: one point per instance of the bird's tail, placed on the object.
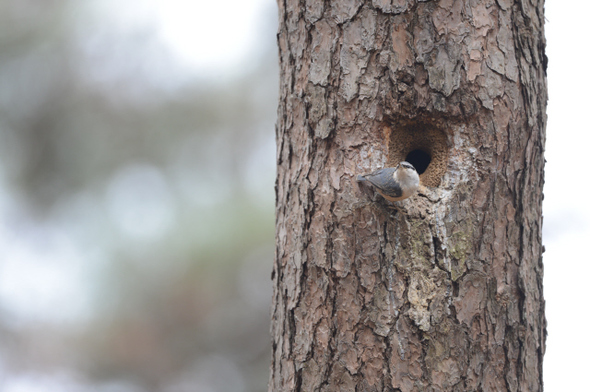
(360, 178)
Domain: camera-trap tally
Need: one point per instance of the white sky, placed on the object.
(566, 208)
(208, 36)
(196, 32)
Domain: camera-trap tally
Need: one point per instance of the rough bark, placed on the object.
(442, 291)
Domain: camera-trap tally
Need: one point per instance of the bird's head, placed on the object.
(406, 166)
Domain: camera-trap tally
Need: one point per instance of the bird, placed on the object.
(394, 183)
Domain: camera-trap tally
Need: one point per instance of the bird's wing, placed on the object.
(383, 180)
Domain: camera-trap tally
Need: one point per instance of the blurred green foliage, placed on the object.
(159, 183)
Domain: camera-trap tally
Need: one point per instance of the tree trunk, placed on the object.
(441, 291)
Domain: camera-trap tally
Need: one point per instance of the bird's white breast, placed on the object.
(409, 181)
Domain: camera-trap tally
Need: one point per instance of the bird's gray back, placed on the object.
(383, 180)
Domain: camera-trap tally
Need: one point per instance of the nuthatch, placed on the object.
(394, 183)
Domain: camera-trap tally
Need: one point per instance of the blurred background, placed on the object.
(137, 204)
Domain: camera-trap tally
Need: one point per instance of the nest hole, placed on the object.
(420, 159)
(422, 144)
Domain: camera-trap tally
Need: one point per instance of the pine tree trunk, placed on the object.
(442, 291)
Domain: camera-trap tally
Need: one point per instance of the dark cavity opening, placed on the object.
(420, 159)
